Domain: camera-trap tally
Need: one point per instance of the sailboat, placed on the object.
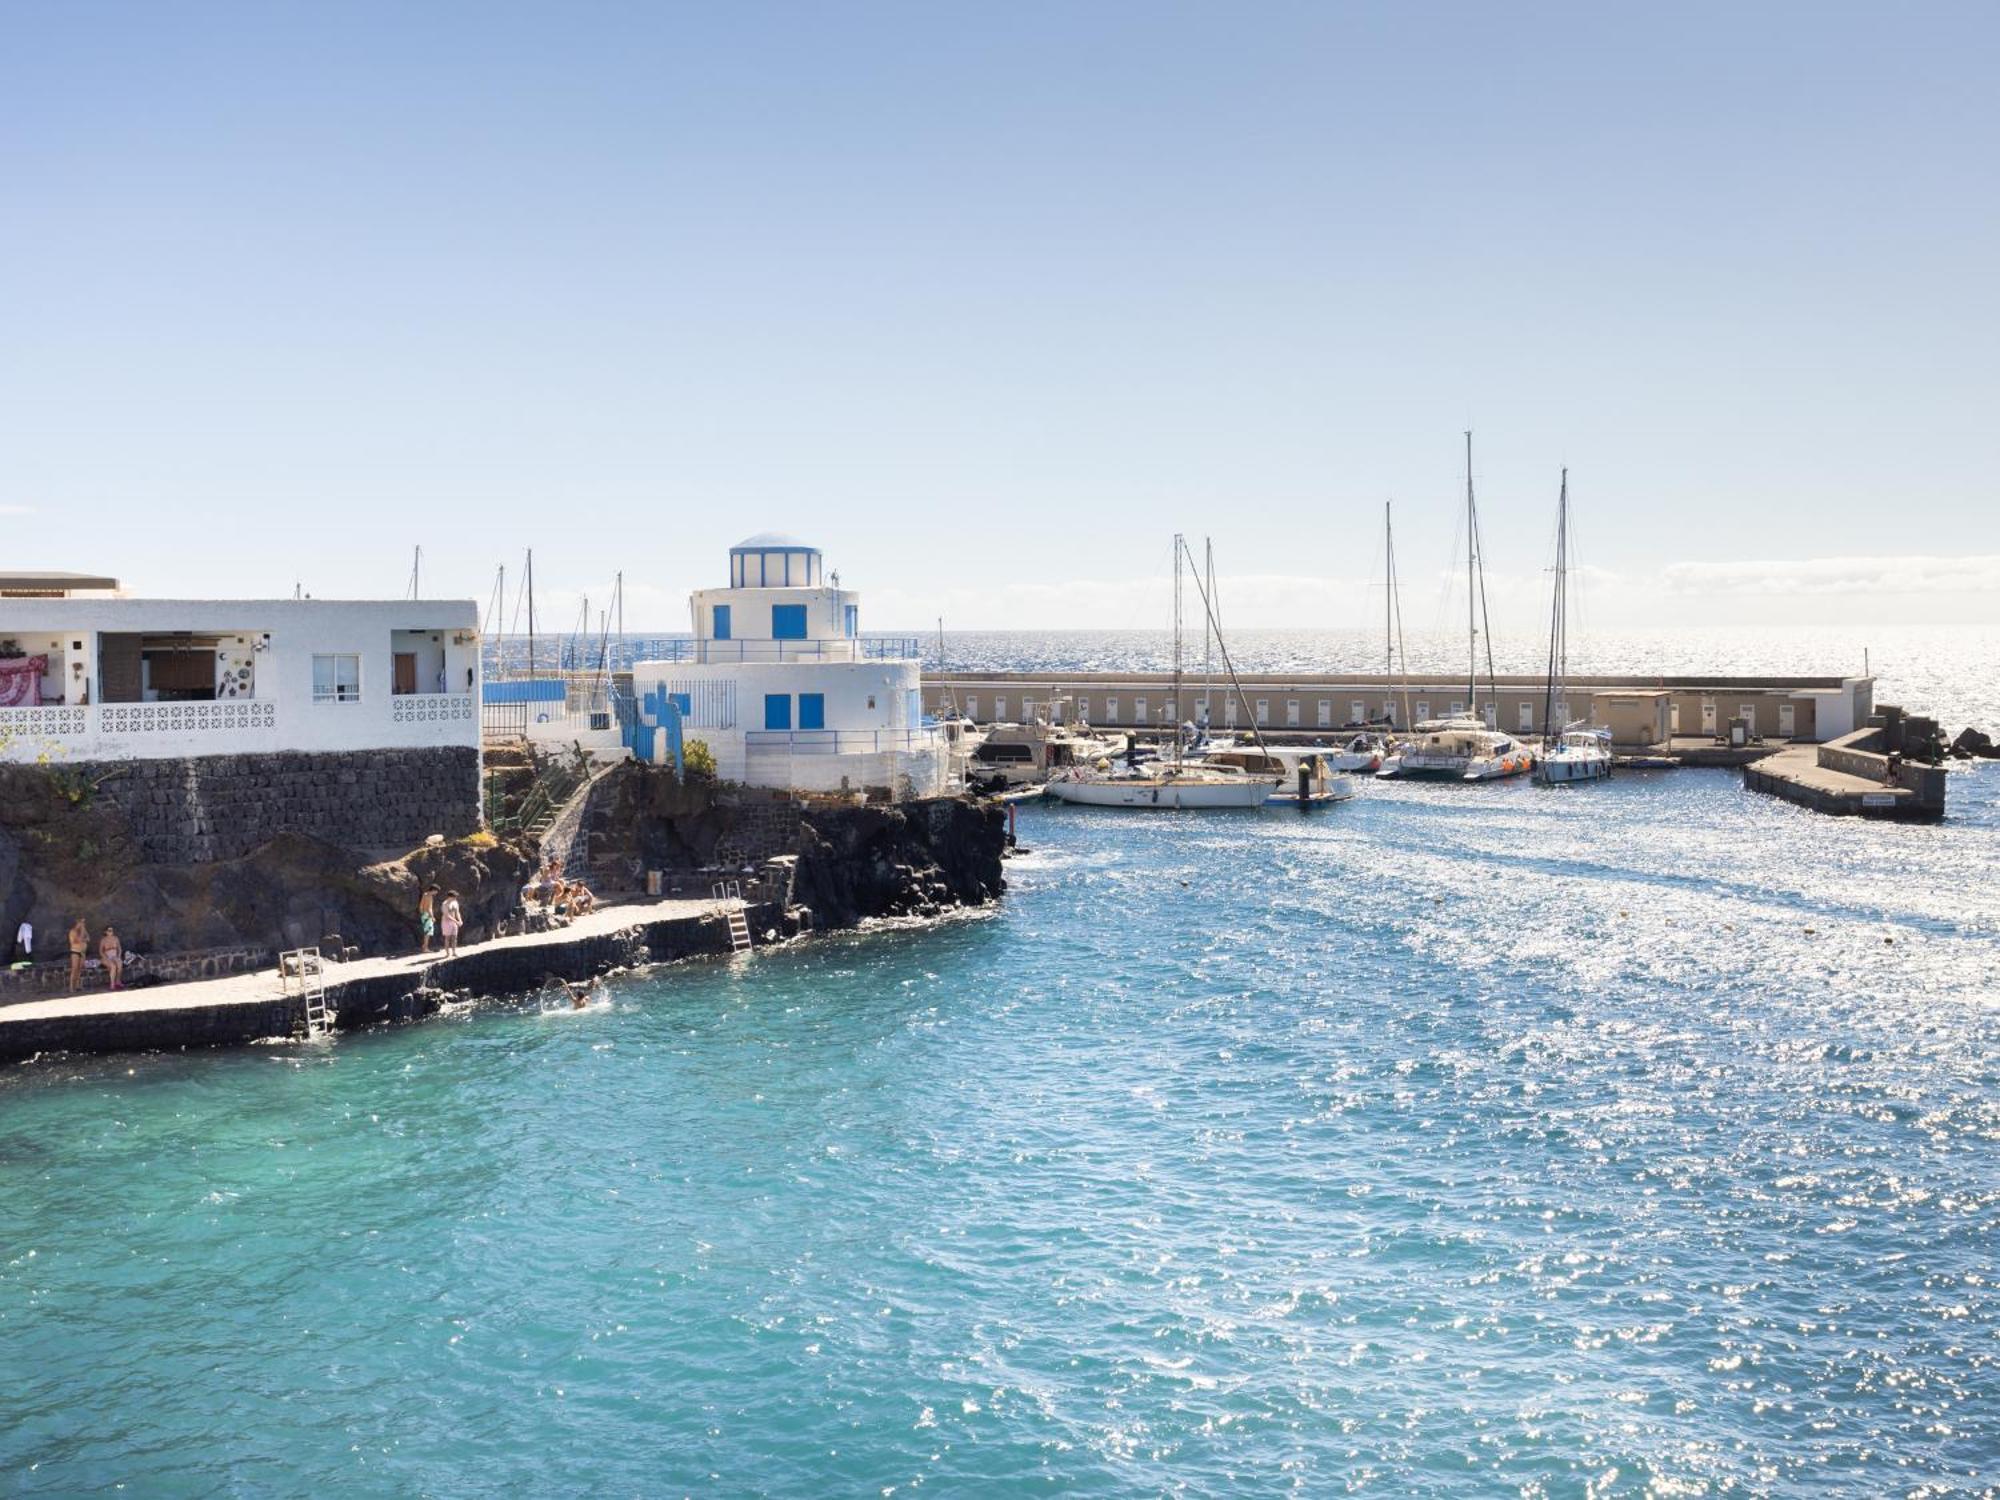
(1176, 782)
(1570, 750)
(1465, 748)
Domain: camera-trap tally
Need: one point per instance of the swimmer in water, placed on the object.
(579, 994)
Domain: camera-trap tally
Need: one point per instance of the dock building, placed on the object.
(227, 721)
(1643, 713)
(782, 688)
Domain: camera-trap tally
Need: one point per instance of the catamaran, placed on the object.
(1176, 782)
(1466, 747)
(1571, 751)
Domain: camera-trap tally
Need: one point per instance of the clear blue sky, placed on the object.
(991, 299)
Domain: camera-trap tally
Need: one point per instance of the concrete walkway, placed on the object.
(264, 986)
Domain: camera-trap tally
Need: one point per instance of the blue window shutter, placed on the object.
(788, 622)
(777, 710)
(812, 710)
(683, 701)
(853, 621)
(722, 622)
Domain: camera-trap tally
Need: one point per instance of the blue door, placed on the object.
(722, 622)
(788, 622)
(853, 621)
(777, 710)
(812, 710)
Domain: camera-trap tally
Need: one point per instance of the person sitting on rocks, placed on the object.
(581, 901)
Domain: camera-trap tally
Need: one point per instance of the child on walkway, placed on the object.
(453, 918)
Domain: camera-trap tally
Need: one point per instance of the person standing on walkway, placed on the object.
(24, 940)
(427, 916)
(453, 918)
(79, 944)
(112, 951)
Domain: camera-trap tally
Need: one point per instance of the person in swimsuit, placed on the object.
(451, 919)
(79, 944)
(427, 916)
(112, 951)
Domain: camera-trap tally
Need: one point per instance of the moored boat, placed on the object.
(1306, 778)
(1459, 750)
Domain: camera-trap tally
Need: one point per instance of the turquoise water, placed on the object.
(1628, 1139)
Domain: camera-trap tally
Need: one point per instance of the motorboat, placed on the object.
(1458, 750)
(1015, 755)
(1365, 752)
(1163, 788)
(1321, 783)
(1580, 754)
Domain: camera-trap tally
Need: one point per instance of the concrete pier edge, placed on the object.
(241, 1010)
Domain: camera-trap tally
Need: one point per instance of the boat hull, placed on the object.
(1559, 770)
(1457, 768)
(1167, 796)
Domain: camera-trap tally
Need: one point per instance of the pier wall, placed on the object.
(200, 809)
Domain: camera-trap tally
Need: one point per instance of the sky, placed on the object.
(990, 301)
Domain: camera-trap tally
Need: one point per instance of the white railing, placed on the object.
(430, 708)
(837, 741)
(48, 721)
(220, 716)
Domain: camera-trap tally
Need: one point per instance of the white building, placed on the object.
(784, 691)
(100, 677)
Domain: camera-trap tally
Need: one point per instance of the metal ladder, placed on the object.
(305, 966)
(739, 924)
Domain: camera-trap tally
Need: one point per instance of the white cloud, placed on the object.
(1837, 576)
(17, 510)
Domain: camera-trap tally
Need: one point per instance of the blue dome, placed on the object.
(772, 541)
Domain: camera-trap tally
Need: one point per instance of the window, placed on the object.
(1263, 711)
(1491, 714)
(788, 622)
(1423, 709)
(972, 705)
(1138, 710)
(682, 701)
(721, 631)
(853, 621)
(1111, 710)
(1457, 708)
(1325, 713)
(1357, 712)
(1167, 715)
(337, 679)
(999, 707)
(777, 710)
(1788, 720)
(1291, 713)
(1229, 711)
(812, 710)
(1389, 711)
(1527, 719)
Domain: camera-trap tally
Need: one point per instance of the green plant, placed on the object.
(697, 761)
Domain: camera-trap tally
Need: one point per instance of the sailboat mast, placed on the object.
(1180, 546)
(1471, 591)
(1208, 639)
(1388, 592)
(531, 611)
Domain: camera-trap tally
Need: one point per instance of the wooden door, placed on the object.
(405, 677)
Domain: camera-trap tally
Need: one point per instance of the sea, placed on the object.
(1632, 1139)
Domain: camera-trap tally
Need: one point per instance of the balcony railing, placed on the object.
(837, 741)
(868, 648)
(198, 716)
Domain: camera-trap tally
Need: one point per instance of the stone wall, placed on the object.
(217, 807)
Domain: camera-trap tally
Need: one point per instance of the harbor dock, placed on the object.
(242, 1008)
(1851, 777)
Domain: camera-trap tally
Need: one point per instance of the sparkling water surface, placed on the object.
(1628, 1139)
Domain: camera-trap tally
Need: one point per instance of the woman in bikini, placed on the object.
(112, 951)
(79, 944)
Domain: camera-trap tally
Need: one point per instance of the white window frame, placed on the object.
(1357, 711)
(999, 709)
(334, 694)
(1788, 721)
(1229, 711)
(1291, 713)
(972, 705)
(1111, 710)
(1423, 709)
(1263, 713)
(1138, 710)
(1325, 713)
(1527, 721)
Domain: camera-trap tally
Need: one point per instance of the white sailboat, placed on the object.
(1176, 783)
(1571, 751)
(1465, 748)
